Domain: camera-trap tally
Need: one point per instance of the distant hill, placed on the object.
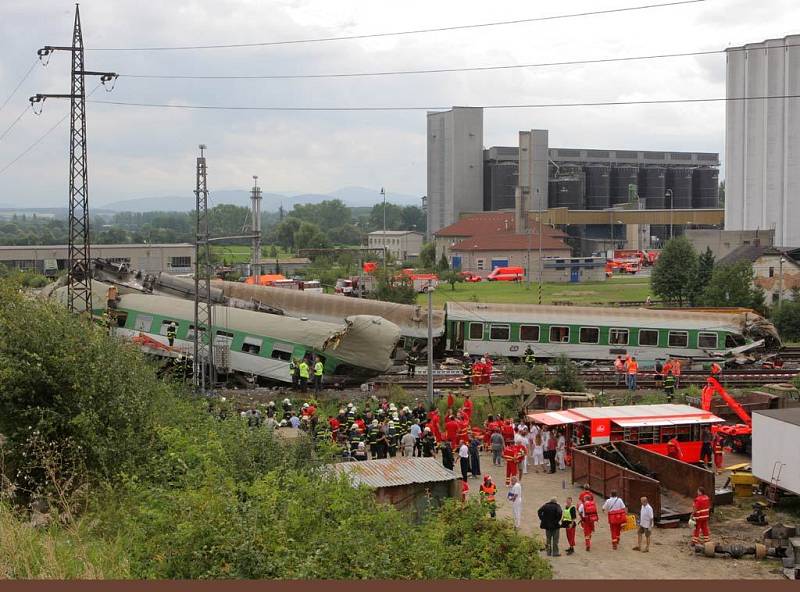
(351, 196)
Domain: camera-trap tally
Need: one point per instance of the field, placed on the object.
(232, 254)
(614, 290)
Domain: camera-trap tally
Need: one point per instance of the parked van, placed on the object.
(506, 274)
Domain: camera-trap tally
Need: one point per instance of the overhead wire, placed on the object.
(443, 70)
(441, 108)
(401, 33)
(16, 88)
(13, 123)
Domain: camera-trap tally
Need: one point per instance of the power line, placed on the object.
(444, 70)
(399, 33)
(423, 108)
(13, 123)
(16, 88)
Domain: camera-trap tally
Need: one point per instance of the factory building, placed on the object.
(762, 139)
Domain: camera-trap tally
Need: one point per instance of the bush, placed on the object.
(786, 318)
(567, 378)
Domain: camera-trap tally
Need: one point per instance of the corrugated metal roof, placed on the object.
(392, 472)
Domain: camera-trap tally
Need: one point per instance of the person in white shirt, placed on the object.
(561, 451)
(407, 443)
(522, 440)
(646, 521)
(515, 497)
(538, 452)
(532, 431)
(616, 517)
(463, 457)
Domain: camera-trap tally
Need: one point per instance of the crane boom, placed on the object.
(713, 386)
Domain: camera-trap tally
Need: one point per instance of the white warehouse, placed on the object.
(762, 139)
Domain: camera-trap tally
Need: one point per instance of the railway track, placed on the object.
(596, 378)
(790, 353)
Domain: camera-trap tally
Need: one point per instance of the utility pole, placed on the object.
(780, 280)
(255, 227)
(383, 194)
(79, 284)
(203, 367)
(429, 290)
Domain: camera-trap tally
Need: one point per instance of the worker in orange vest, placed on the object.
(619, 368)
(632, 370)
(701, 515)
(510, 454)
(676, 372)
(718, 458)
(488, 492)
(716, 370)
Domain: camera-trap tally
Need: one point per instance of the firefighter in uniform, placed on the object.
(530, 359)
(466, 370)
(701, 515)
(669, 386)
(511, 455)
(172, 330)
(488, 492)
(372, 438)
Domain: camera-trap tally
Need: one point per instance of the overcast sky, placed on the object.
(144, 152)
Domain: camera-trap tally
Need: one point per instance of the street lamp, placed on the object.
(668, 195)
(383, 194)
(780, 280)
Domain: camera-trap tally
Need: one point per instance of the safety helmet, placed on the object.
(487, 477)
(352, 427)
(427, 429)
(374, 422)
(396, 417)
(287, 402)
(283, 423)
(305, 405)
(271, 403)
(349, 405)
(391, 424)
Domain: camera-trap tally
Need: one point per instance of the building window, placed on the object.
(500, 332)
(648, 337)
(707, 340)
(252, 345)
(476, 331)
(559, 334)
(771, 272)
(678, 339)
(480, 264)
(618, 337)
(143, 323)
(529, 333)
(180, 262)
(281, 351)
(589, 335)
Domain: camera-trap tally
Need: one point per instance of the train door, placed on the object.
(457, 343)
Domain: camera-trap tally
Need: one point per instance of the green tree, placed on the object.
(427, 256)
(414, 219)
(567, 378)
(452, 278)
(786, 318)
(705, 269)
(330, 213)
(674, 273)
(310, 236)
(346, 234)
(394, 217)
(285, 231)
(443, 264)
(732, 285)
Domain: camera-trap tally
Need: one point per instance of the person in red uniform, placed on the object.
(467, 408)
(488, 367)
(335, 425)
(434, 422)
(701, 514)
(450, 402)
(362, 425)
(507, 429)
(451, 431)
(718, 458)
(510, 454)
(463, 428)
(477, 372)
(716, 370)
(587, 511)
(674, 449)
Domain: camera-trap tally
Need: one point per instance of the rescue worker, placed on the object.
(716, 371)
(617, 516)
(619, 368)
(448, 462)
(411, 362)
(488, 492)
(335, 425)
(467, 408)
(674, 449)
(669, 386)
(304, 374)
(392, 439)
(676, 372)
(466, 370)
(588, 513)
(706, 449)
(294, 372)
(512, 456)
(718, 458)
(407, 442)
(529, 358)
(172, 330)
(632, 370)
(287, 409)
(428, 443)
(701, 514)
(372, 438)
(451, 431)
(319, 368)
(382, 443)
(569, 521)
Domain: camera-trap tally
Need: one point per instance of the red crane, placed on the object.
(739, 430)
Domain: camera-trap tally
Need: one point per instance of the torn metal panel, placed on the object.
(411, 319)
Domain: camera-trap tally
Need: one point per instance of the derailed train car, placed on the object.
(603, 333)
(252, 343)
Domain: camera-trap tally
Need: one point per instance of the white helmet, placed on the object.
(391, 424)
(349, 405)
(305, 405)
(374, 422)
(287, 402)
(392, 407)
(427, 429)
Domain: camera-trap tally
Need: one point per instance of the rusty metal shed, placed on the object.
(413, 484)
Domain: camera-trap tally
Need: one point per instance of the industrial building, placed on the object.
(150, 258)
(762, 139)
(403, 245)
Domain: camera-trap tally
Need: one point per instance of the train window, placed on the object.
(252, 345)
(281, 351)
(648, 337)
(165, 325)
(223, 338)
(618, 337)
(529, 332)
(559, 334)
(121, 317)
(476, 330)
(589, 335)
(143, 323)
(190, 333)
(500, 332)
(678, 339)
(732, 340)
(707, 340)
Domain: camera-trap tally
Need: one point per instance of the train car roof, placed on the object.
(595, 315)
(366, 341)
(411, 319)
(629, 415)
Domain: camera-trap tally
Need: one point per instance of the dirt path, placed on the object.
(669, 556)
